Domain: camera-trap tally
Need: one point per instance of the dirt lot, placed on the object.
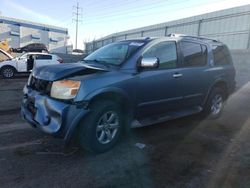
(189, 152)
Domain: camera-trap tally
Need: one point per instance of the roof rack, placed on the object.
(193, 37)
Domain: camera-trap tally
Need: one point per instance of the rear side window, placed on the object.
(166, 52)
(30, 46)
(221, 55)
(43, 57)
(194, 54)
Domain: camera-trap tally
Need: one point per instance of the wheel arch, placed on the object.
(113, 94)
(220, 83)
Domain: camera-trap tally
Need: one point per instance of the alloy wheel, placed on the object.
(217, 104)
(107, 127)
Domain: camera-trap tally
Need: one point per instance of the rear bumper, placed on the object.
(49, 115)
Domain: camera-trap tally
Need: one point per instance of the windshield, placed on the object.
(115, 53)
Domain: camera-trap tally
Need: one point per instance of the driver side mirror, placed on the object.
(149, 62)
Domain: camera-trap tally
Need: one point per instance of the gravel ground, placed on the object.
(189, 152)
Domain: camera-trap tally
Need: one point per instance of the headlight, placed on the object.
(65, 89)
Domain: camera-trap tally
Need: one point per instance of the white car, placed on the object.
(9, 66)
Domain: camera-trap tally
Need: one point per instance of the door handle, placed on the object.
(177, 75)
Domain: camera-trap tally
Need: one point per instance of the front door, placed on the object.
(22, 63)
(159, 90)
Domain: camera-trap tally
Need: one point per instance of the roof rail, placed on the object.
(193, 37)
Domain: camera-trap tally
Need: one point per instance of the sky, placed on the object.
(100, 18)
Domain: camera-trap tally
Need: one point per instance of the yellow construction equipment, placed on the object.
(4, 45)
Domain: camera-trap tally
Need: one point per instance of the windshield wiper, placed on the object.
(96, 60)
(100, 62)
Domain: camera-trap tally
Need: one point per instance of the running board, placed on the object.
(162, 118)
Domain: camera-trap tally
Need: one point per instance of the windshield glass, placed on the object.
(114, 53)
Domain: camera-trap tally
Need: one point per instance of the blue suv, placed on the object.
(130, 83)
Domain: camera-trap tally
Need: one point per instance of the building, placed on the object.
(231, 26)
(20, 33)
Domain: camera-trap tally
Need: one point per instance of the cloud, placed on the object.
(32, 14)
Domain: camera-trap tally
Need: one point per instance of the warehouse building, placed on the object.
(20, 33)
(231, 26)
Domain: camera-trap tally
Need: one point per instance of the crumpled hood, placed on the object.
(60, 71)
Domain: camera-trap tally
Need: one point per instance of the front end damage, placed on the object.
(51, 116)
(56, 117)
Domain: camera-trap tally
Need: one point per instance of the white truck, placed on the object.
(9, 65)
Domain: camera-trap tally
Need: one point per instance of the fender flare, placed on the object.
(113, 90)
(211, 87)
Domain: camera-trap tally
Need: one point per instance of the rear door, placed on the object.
(159, 90)
(43, 59)
(194, 70)
(224, 65)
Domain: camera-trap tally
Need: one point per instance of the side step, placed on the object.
(164, 117)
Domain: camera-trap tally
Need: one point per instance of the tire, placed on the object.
(95, 133)
(215, 103)
(8, 72)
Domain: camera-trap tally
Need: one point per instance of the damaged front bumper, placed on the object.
(51, 116)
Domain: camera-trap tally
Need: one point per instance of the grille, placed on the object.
(42, 86)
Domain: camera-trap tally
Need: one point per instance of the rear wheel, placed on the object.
(102, 128)
(8, 72)
(215, 103)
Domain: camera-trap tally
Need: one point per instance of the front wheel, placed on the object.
(102, 128)
(8, 72)
(215, 103)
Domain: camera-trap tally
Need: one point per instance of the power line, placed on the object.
(122, 4)
(140, 13)
(111, 11)
(77, 11)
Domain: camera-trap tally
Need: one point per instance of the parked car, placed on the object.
(77, 52)
(26, 62)
(34, 47)
(131, 83)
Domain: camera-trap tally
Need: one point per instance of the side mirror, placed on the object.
(149, 62)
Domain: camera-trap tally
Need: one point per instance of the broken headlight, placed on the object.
(65, 89)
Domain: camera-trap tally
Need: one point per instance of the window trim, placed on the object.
(44, 56)
(182, 55)
(177, 55)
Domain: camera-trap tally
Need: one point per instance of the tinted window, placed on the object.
(221, 55)
(43, 57)
(194, 55)
(39, 45)
(30, 46)
(166, 52)
(3, 57)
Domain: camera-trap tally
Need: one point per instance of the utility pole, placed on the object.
(77, 12)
